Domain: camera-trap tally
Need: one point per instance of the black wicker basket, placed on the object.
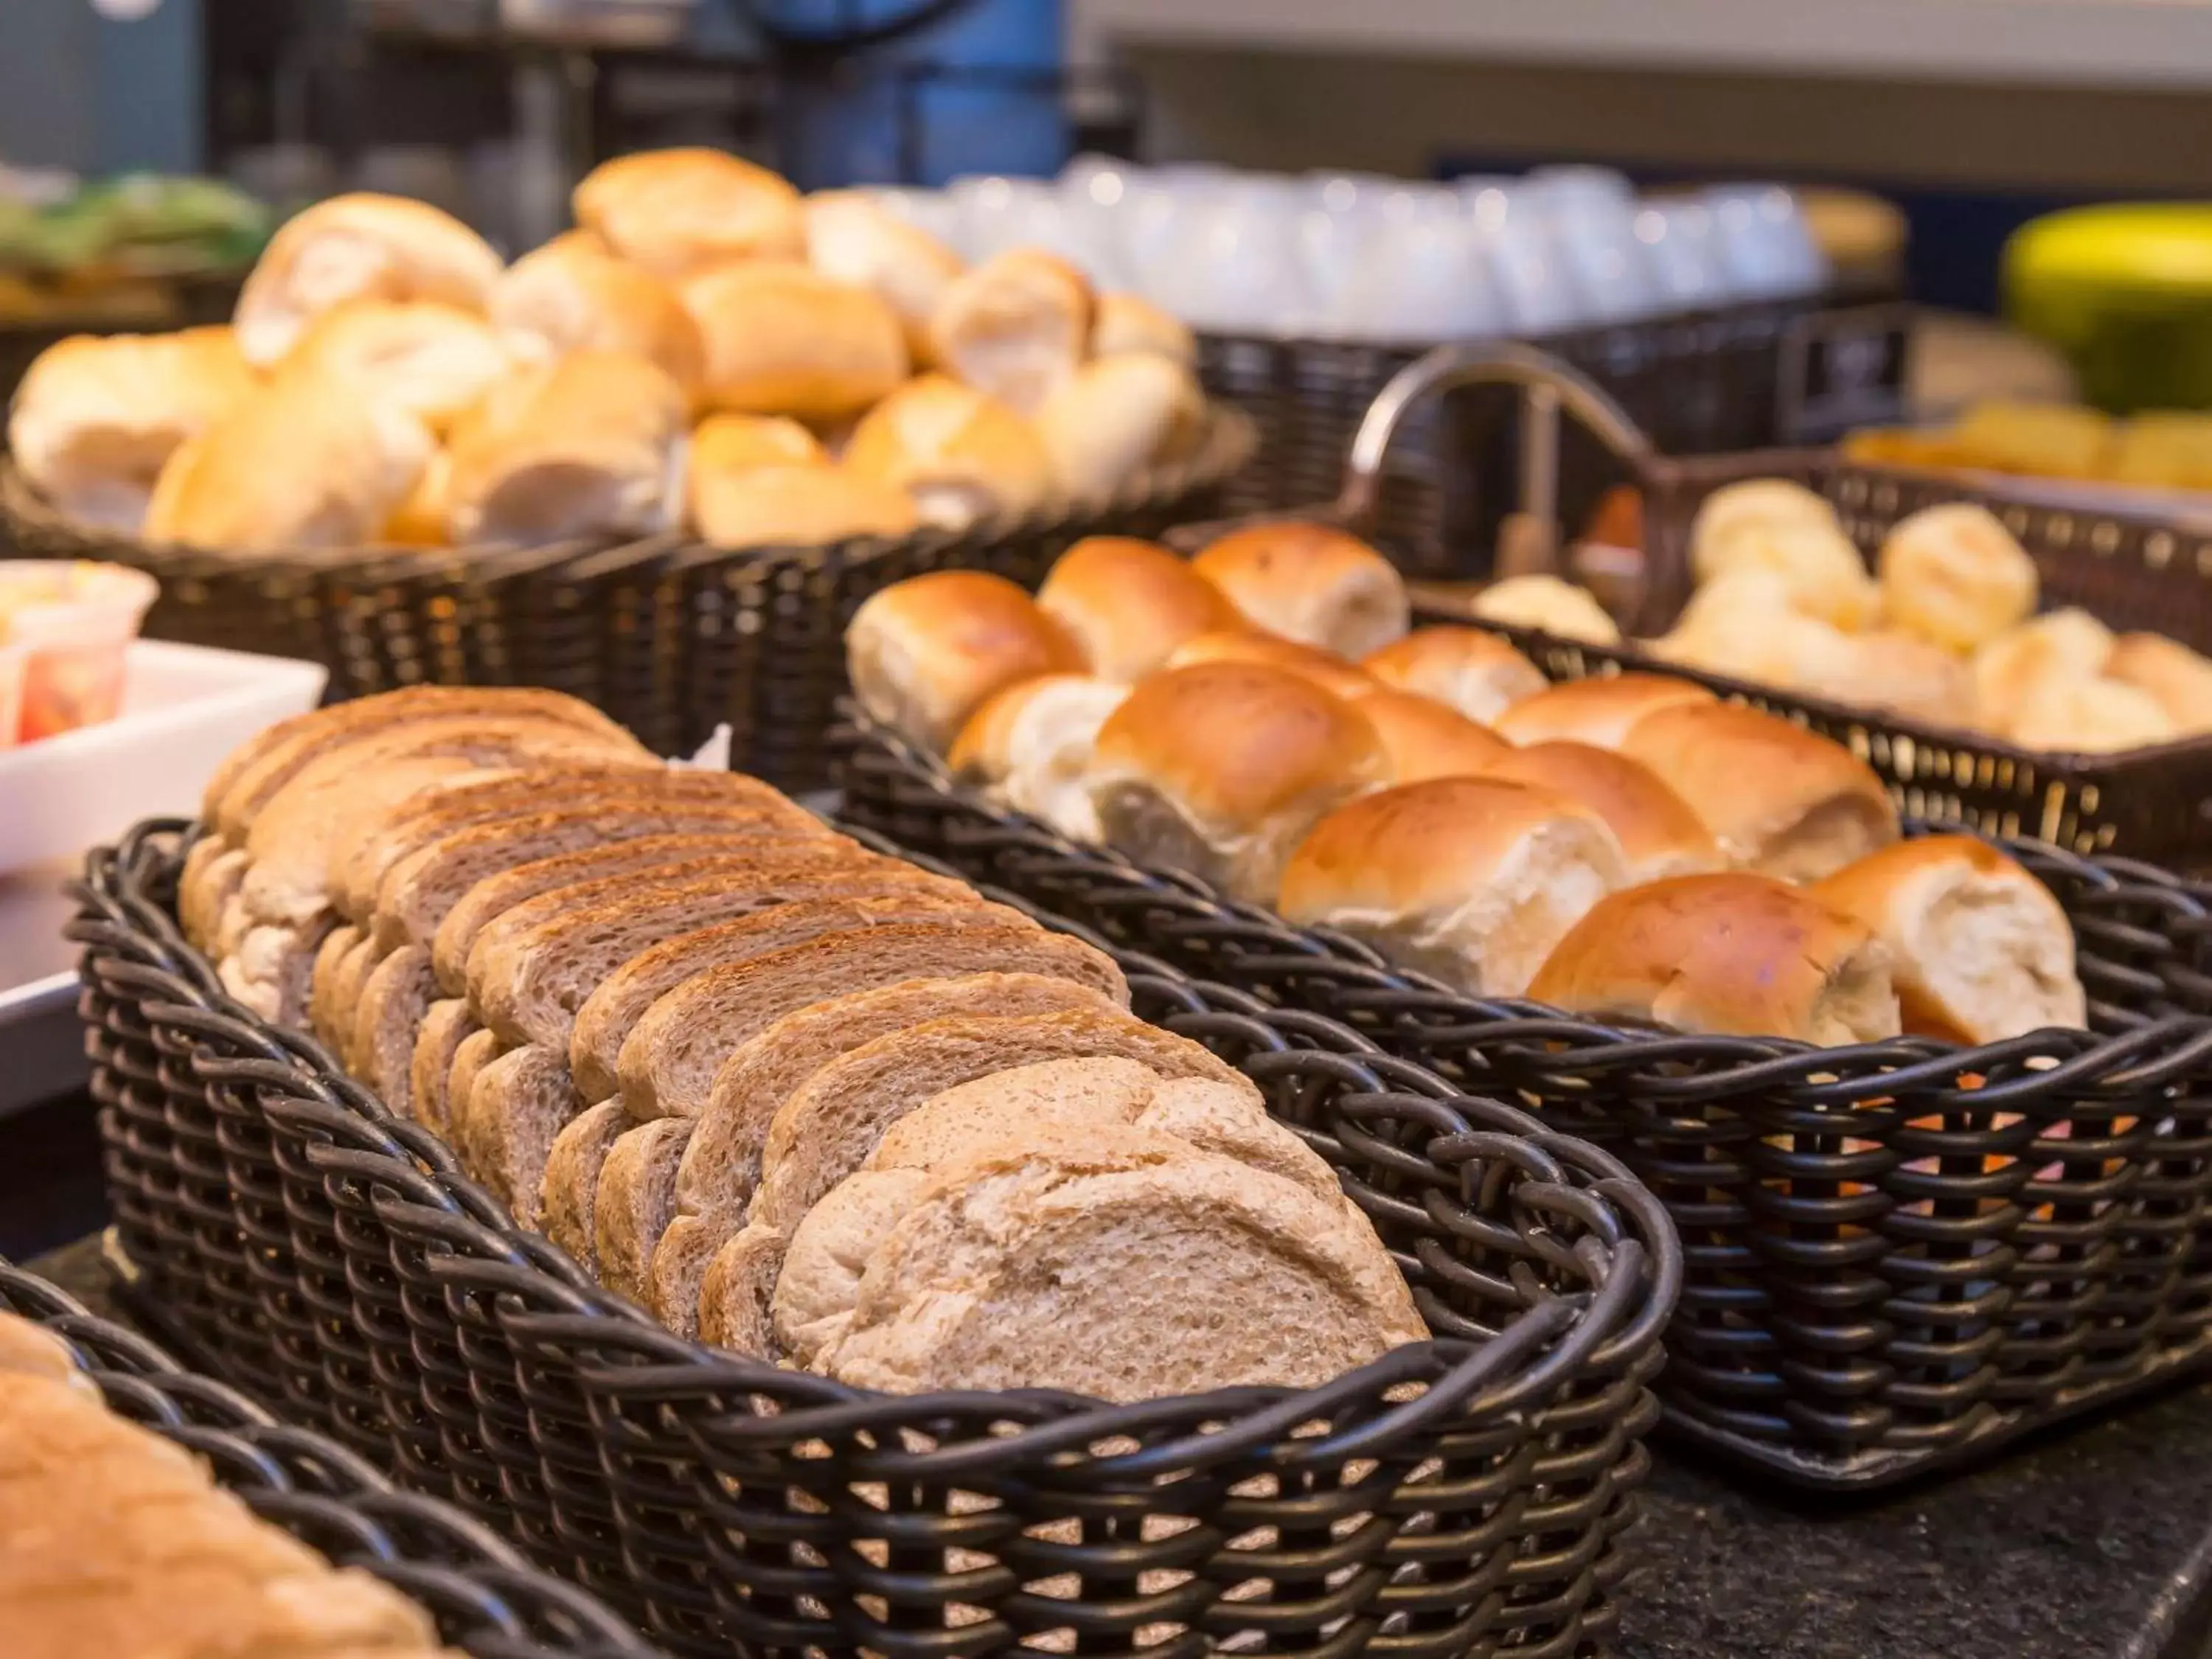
(1466, 1495)
(2131, 569)
(485, 1598)
(669, 635)
(1899, 1256)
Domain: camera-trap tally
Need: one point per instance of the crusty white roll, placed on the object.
(1114, 416)
(781, 340)
(1954, 574)
(96, 418)
(1980, 950)
(1730, 955)
(853, 239)
(1424, 739)
(2071, 716)
(1780, 799)
(1030, 746)
(794, 504)
(1600, 712)
(358, 247)
(572, 295)
(294, 464)
(1547, 605)
(1817, 564)
(962, 455)
(1659, 835)
(590, 446)
(1242, 644)
(1743, 626)
(2178, 679)
(1130, 603)
(1477, 672)
(2067, 644)
(1220, 768)
(433, 360)
(925, 653)
(1756, 504)
(1015, 326)
(1472, 880)
(1309, 583)
(675, 211)
(1129, 323)
(739, 443)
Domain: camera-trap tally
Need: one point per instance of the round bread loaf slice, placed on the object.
(635, 1201)
(214, 871)
(568, 1195)
(446, 1023)
(330, 968)
(475, 1051)
(507, 1114)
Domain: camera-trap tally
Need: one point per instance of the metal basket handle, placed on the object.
(1548, 386)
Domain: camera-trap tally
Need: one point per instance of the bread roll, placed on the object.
(1600, 712)
(854, 241)
(676, 211)
(925, 653)
(1424, 739)
(1733, 955)
(1128, 323)
(1779, 800)
(2178, 679)
(1908, 674)
(2089, 716)
(1220, 768)
(1015, 326)
(1471, 880)
(1129, 604)
(961, 455)
(358, 247)
(1956, 575)
(1754, 504)
(1312, 584)
(743, 443)
(1822, 570)
(1744, 625)
(1979, 949)
(795, 506)
(1112, 418)
(298, 464)
(781, 340)
(1478, 673)
(1324, 668)
(1549, 605)
(590, 446)
(2067, 644)
(431, 359)
(1659, 835)
(422, 519)
(1030, 745)
(96, 418)
(572, 295)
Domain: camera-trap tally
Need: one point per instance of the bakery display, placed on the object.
(2156, 449)
(379, 339)
(1312, 583)
(778, 1086)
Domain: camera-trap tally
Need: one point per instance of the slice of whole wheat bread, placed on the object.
(214, 871)
(680, 1261)
(736, 1293)
(388, 1020)
(516, 1106)
(475, 1051)
(570, 1189)
(446, 1023)
(322, 979)
(636, 1201)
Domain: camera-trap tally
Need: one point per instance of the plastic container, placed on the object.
(2125, 291)
(72, 622)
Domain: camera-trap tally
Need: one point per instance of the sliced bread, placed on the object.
(513, 1109)
(687, 1249)
(213, 871)
(446, 1023)
(323, 1002)
(570, 1192)
(476, 1050)
(387, 1018)
(635, 1202)
(737, 1293)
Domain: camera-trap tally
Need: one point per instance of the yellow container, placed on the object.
(2126, 292)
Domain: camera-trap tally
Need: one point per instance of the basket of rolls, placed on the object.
(655, 463)
(1004, 1290)
(151, 1510)
(1930, 1108)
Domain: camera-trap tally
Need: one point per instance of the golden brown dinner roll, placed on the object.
(1549, 605)
(2067, 644)
(1015, 326)
(854, 241)
(592, 445)
(794, 506)
(961, 455)
(1130, 603)
(1220, 768)
(2177, 678)
(358, 247)
(1424, 739)
(421, 520)
(1754, 504)
(1979, 949)
(96, 418)
(1476, 672)
(1030, 746)
(1659, 835)
(1324, 668)
(2089, 716)
(298, 463)
(572, 295)
(675, 211)
(431, 359)
(1599, 712)
(1779, 799)
(924, 653)
(1955, 575)
(1114, 417)
(781, 340)
(1471, 880)
(1730, 955)
(1309, 583)
(1128, 323)
(739, 443)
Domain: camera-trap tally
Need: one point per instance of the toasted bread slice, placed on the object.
(446, 1023)
(475, 1051)
(214, 871)
(323, 1002)
(388, 1014)
(636, 1201)
(516, 1106)
(569, 1193)
(680, 1261)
